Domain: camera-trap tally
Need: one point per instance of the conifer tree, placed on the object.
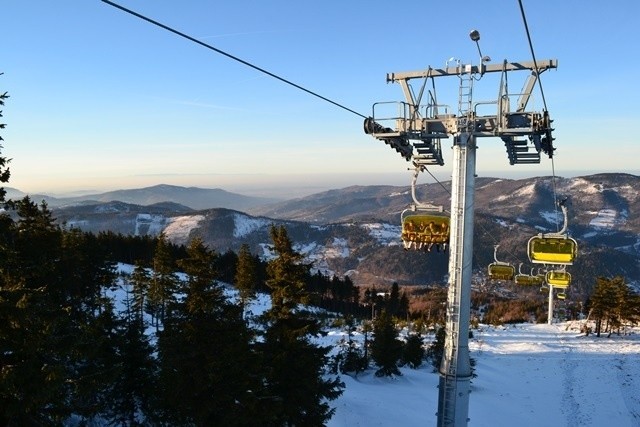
(140, 281)
(436, 349)
(295, 390)
(286, 275)
(393, 302)
(351, 359)
(134, 387)
(208, 373)
(35, 326)
(163, 281)
(246, 277)
(386, 348)
(413, 352)
(611, 304)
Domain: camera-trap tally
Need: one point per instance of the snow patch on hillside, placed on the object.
(585, 186)
(179, 227)
(502, 223)
(245, 225)
(628, 192)
(385, 234)
(527, 190)
(552, 217)
(605, 218)
(149, 225)
(338, 249)
(317, 255)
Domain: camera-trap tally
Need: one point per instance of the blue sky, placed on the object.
(103, 100)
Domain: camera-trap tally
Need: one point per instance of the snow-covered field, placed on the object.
(527, 375)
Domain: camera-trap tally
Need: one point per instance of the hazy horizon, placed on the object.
(279, 186)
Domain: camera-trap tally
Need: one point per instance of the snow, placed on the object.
(338, 249)
(385, 234)
(605, 218)
(526, 190)
(553, 217)
(527, 375)
(179, 228)
(245, 225)
(148, 224)
(585, 186)
(502, 223)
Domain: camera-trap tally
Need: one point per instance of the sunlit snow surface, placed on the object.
(245, 224)
(385, 234)
(527, 375)
(179, 227)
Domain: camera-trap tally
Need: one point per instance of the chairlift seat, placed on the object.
(558, 279)
(501, 271)
(419, 229)
(528, 280)
(552, 250)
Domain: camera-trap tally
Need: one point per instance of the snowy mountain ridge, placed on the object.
(356, 230)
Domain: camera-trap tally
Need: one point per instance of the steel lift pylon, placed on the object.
(415, 132)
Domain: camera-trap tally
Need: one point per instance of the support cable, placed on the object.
(533, 55)
(544, 102)
(208, 46)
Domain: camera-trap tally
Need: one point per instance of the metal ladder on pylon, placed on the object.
(465, 99)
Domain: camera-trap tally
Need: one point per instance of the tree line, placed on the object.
(612, 304)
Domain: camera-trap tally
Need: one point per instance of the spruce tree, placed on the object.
(413, 351)
(295, 390)
(393, 302)
(246, 277)
(435, 351)
(140, 281)
(163, 281)
(351, 359)
(131, 393)
(207, 369)
(386, 348)
(36, 333)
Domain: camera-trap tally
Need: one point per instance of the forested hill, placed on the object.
(356, 230)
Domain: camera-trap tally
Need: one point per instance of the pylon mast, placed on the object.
(415, 132)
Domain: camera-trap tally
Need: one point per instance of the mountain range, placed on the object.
(355, 230)
(192, 197)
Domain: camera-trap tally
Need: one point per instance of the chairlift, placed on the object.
(424, 226)
(553, 248)
(500, 270)
(528, 279)
(558, 278)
